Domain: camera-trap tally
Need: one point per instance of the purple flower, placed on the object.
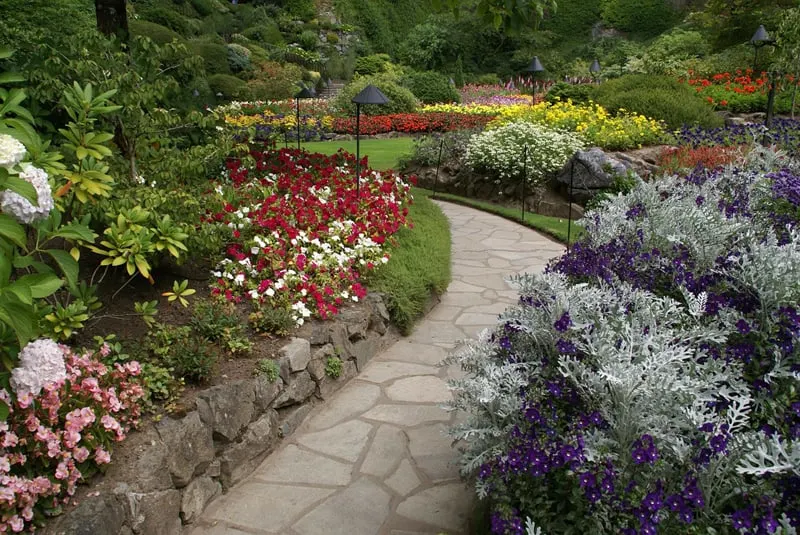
(563, 323)
(644, 450)
(743, 326)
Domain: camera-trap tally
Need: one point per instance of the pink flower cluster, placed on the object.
(52, 440)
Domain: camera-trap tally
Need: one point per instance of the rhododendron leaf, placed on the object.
(68, 265)
(12, 230)
(5, 268)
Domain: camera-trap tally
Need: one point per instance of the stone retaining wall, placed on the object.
(165, 474)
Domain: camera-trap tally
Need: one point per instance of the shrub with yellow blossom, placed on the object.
(590, 121)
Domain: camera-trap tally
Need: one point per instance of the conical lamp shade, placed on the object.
(370, 95)
(535, 66)
(595, 67)
(761, 36)
(304, 93)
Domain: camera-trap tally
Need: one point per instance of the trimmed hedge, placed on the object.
(577, 93)
(231, 87)
(168, 18)
(401, 99)
(431, 87)
(215, 57)
(658, 97)
(157, 33)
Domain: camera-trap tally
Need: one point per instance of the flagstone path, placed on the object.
(374, 459)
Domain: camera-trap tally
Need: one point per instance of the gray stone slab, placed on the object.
(293, 465)
(345, 441)
(383, 371)
(422, 389)
(388, 447)
(361, 508)
(443, 313)
(472, 319)
(407, 415)
(404, 479)
(348, 403)
(432, 452)
(263, 506)
(461, 287)
(407, 351)
(445, 506)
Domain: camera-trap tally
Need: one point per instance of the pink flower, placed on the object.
(5, 466)
(109, 423)
(80, 454)
(16, 523)
(102, 456)
(105, 350)
(61, 471)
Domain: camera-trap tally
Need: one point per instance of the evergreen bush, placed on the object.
(431, 87)
(401, 99)
(215, 56)
(230, 87)
(157, 33)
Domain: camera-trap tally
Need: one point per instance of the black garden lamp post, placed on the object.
(304, 93)
(533, 68)
(368, 95)
(759, 39)
(594, 68)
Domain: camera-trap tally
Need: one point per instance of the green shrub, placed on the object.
(333, 367)
(401, 100)
(431, 87)
(230, 87)
(166, 17)
(373, 64)
(215, 57)
(308, 40)
(332, 38)
(204, 8)
(222, 24)
(575, 92)
(268, 369)
(189, 356)
(273, 81)
(257, 54)
(489, 78)
(277, 321)
(156, 32)
(658, 97)
(641, 17)
(238, 58)
(267, 32)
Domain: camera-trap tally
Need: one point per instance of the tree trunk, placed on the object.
(112, 18)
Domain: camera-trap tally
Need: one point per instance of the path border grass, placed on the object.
(419, 265)
(553, 227)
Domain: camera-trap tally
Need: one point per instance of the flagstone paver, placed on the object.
(375, 459)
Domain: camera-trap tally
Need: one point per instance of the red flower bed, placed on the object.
(679, 159)
(301, 238)
(410, 123)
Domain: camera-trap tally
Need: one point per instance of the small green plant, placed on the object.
(180, 290)
(217, 321)
(267, 368)
(275, 321)
(333, 367)
(187, 354)
(147, 310)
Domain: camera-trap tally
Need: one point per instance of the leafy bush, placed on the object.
(426, 148)
(642, 17)
(332, 38)
(238, 58)
(428, 46)
(273, 81)
(166, 17)
(431, 87)
(157, 33)
(489, 78)
(401, 100)
(682, 301)
(333, 367)
(673, 53)
(373, 64)
(230, 87)
(657, 97)
(269, 369)
(267, 33)
(215, 56)
(188, 355)
(501, 151)
(204, 8)
(308, 39)
(578, 93)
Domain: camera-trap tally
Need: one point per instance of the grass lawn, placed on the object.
(554, 227)
(383, 153)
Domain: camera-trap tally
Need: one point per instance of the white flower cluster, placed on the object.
(18, 206)
(501, 151)
(11, 151)
(41, 362)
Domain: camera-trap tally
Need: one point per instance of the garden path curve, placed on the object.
(374, 459)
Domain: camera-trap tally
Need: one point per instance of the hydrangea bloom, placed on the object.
(18, 206)
(41, 362)
(11, 151)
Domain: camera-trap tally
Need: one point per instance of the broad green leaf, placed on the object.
(20, 290)
(23, 187)
(67, 264)
(4, 411)
(10, 77)
(20, 318)
(76, 231)
(11, 230)
(41, 284)
(5, 268)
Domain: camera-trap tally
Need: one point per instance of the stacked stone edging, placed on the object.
(165, 474)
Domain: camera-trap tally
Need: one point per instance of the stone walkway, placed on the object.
(374, 459)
